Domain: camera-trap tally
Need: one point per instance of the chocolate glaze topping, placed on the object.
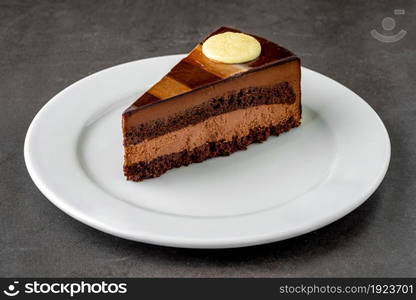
(196, 71)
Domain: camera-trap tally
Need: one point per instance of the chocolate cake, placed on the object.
(205, 108)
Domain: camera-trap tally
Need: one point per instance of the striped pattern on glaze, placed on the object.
(167, 87)
(196, 70)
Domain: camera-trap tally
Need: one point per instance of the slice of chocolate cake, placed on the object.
(212, 104)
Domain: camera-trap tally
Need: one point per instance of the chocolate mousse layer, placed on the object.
(223, 127)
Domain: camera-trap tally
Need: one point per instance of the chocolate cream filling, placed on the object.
(222, 127)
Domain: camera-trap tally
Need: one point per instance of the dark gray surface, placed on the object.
(47, 45)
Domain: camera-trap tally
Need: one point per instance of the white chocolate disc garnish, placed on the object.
(231, 48)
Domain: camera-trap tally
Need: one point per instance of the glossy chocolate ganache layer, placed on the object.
(196, 71)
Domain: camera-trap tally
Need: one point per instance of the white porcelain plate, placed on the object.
(291, 184)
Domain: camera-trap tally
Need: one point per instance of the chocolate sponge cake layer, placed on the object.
(281, 93)
(157, 167)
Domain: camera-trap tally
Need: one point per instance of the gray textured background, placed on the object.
(47, 45)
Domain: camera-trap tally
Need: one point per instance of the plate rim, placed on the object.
(197, 243)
